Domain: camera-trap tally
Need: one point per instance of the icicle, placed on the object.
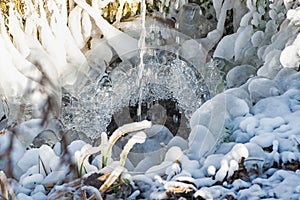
(121, 42)
(15, 30)
(29, 8)
(48, 40)
(17, 60)
(75, 62)
(217, 6)
(64, 12)
(86, 26)
(120, 10)
(103, 146)
(222, 17)
(74, 23)
(11, 80)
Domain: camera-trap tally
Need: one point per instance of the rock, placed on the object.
(24, 196)
(240, 136)
(39, 188)
(190, 166)
(284, 104)
(75, 146)
(47, 137)
(173, 154)
(239, 75)
(293, 81)
(39, 196)
(290, 58)
(191, 49)
(73, 135)
(222, 50)
(236, 107)
(29, 159)
(257, 38)
(32, 181)
(158, 169)
(271, 65)
(241, 93)
(179, 142)
(146, 163)
(28, 130)
(222, 64)
(263, 140)
(242, 42)
(48, 160)
(54, 177)
(260, 88)
(283, 78)
(211, 111)
(189, 16)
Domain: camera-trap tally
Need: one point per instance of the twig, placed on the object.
(6, 189)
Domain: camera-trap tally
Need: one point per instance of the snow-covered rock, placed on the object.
(239, 75)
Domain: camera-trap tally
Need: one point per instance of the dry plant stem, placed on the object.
(67, 157)
(60, 193)
(7, 155)
(138, 137)
(121, 131)
(111, 179)
(6, 189)
(96, 194)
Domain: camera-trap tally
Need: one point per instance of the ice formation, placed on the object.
(59, 53)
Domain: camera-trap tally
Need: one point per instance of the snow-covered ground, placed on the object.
(244, 142)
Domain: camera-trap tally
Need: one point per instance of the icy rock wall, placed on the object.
(264, 44)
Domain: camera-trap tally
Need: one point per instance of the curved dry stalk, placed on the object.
(138, 137)
(121, 131)
(111, 179)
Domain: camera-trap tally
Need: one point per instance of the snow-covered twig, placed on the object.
(121, 131)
